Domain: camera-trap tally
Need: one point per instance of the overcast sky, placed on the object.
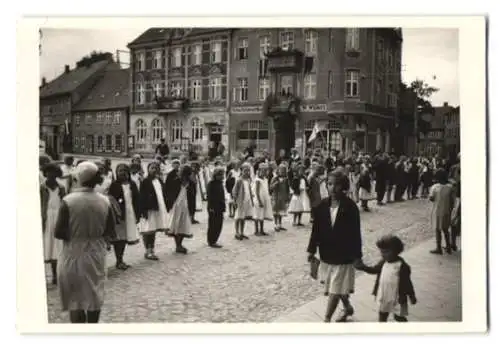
(427, 53)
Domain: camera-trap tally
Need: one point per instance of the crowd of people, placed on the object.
(88, 208)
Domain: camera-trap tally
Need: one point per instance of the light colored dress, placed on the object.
(304, 197)
(338, 279)
(158, 220)
(265, 212)
(245, 204)
(201, 191)
(51, 246)
(131, 231)
(444, 201)
(388, 290)
(86, 219)
(180, 220)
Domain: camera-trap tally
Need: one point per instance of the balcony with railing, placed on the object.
(277, 104)
(285, 60)
(171, 104)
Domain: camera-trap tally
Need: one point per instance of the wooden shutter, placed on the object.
(205, 56)
(204, 89)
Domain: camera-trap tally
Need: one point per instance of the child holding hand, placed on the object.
(393, 286)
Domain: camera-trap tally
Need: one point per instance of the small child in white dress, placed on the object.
(393, 286)
(263, 208)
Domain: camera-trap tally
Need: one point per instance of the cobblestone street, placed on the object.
(256, 280)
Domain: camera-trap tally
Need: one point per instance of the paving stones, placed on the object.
(256, 280)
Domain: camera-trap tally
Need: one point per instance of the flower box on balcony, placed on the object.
(353, 52)
(172, 103)
(280, 60)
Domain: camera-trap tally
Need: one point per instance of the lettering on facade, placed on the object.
(313, 108)
(246, 109)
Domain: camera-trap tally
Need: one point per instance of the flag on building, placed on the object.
(316, 130)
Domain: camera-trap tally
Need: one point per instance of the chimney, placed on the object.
(44, 81)
(66, 69)
(445, 104)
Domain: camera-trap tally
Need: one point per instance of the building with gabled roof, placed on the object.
(100, 119)
(57, 98)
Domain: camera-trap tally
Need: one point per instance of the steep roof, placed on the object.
(68, 82)
(160, 34)
(112, 91)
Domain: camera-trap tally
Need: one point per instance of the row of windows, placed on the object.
(106, 118)
(453, 132)
(240, 92)
(193, 53)
(176, 128)
(176, 88)
(99, 143)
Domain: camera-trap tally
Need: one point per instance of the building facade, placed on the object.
(433, 143)
(57, 99)
(346, 80)
(179, 81)
(100, 120)
(201, 85)
(452, 132)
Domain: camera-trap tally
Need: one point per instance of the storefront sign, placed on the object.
(257, 109)
(313, 108)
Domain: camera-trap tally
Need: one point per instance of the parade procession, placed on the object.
(176, 191)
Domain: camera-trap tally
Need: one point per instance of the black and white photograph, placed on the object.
(255, 174)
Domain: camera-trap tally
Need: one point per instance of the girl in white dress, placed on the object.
(263, 209)
(393, 286)
(243, 198)
(179, 225)
(154, 215)
(51, 194)
(126, 194)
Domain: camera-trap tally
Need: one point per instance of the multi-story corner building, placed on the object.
(452, 131)
(179, 88)
(221, 84)
(57, 99)
(100, 120)
(433, 143)
(346, 81)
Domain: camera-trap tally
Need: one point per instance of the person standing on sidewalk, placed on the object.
(393, 286)
(380, 169)
(216, 206)
(443, 196)
(338, 239)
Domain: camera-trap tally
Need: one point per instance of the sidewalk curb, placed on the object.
(439, 294)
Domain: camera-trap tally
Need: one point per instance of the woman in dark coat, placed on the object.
(338, 239)
(126, 194)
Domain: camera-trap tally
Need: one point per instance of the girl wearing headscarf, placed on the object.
(126, 194)
(51, 194)
(154, 215)
(85, 224)
(180, 221)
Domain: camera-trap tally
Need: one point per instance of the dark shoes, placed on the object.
(122, 266)
(215, 246)
(181, 250)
